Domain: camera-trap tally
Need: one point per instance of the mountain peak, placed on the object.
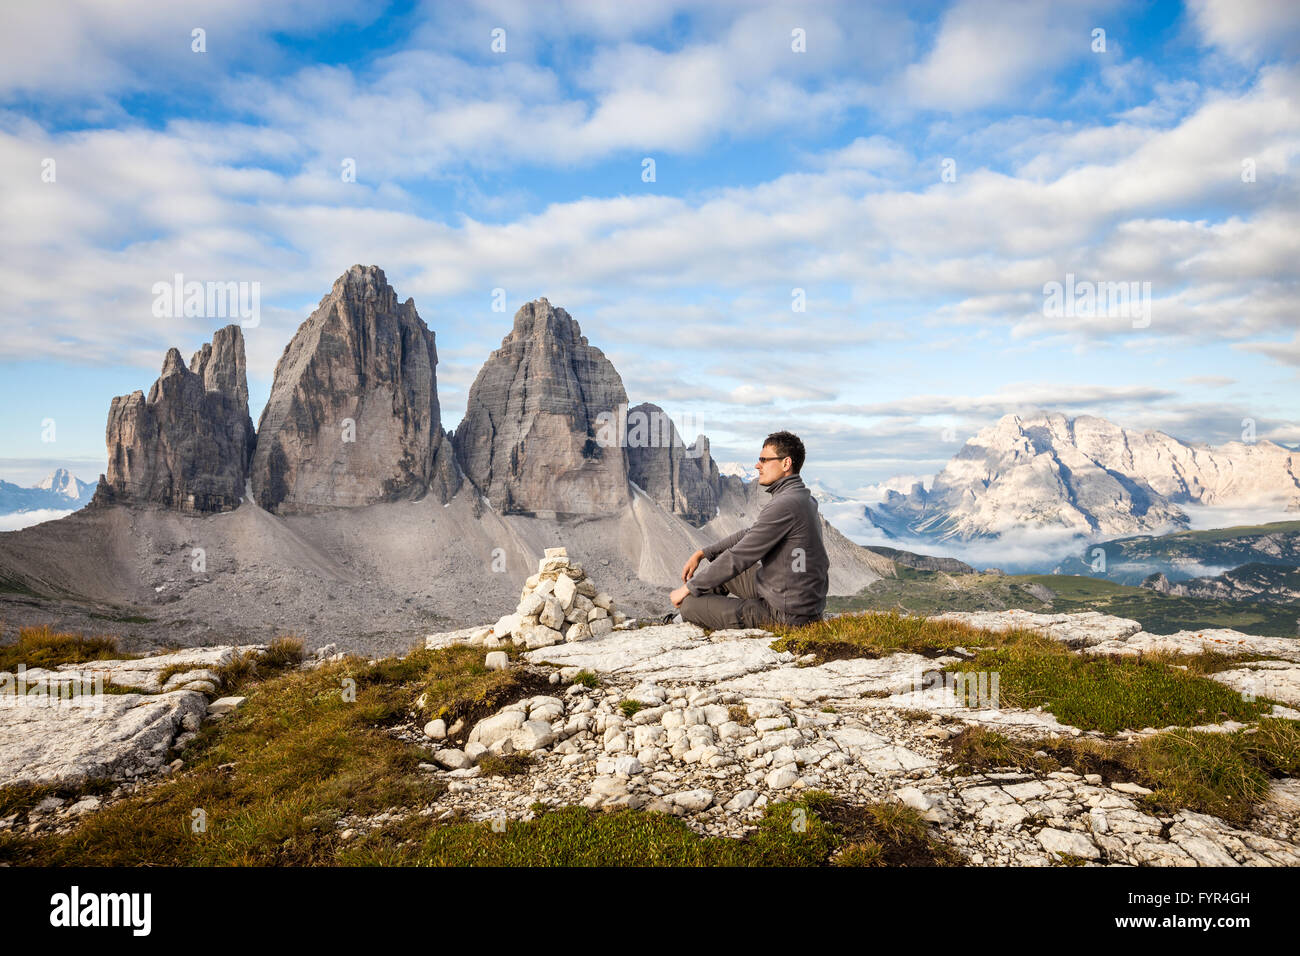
(187, 445)
(56, 480)
(1087, 476)
(540, 319)
(353, 416)
(531, 437)
(361, 281)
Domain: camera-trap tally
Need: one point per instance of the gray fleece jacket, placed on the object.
(787, 539)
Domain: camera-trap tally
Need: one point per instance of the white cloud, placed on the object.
(1249, 30)
(25, 519)
(990, 52)
(85, 48)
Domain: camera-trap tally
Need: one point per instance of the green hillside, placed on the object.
(933, 592)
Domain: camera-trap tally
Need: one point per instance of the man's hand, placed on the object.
(678, 596)
(691, 564)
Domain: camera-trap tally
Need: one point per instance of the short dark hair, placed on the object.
(787, 445)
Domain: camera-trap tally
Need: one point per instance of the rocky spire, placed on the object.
(539, 434)
(188, 445)
(353, 416)
(683, 480)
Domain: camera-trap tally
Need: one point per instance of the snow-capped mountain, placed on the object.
(1087, 476)
(62, 482)
(58, 492)
(823, 494)
(737, 470)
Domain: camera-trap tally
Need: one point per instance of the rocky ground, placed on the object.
(713, 727)
(727, 725)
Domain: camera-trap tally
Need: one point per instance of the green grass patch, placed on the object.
(630, 707)
(1225, 775)
(1095, 692)
(979, 750)
(586, 678)
(1092, 692)
(506, 765)
(43, 647)
(272, 778)
(1222, 774)
(877, 633)
(740, 714)
(814, 829)
(456, 685)
(934, 592)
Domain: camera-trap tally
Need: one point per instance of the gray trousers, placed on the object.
(734, 603)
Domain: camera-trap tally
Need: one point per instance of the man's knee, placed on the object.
(710, 611)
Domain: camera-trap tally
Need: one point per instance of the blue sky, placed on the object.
(776, 170)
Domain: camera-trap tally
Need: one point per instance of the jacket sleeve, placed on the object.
(715, 549)
(773, 524)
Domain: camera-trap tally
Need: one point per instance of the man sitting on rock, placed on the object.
(775, 571)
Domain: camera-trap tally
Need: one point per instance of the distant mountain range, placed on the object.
(1085, 477)
(60, 491)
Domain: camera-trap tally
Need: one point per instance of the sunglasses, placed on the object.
(773, 458)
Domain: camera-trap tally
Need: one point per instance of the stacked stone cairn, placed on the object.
(558, 604)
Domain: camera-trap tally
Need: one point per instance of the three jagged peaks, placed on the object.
(353, 418)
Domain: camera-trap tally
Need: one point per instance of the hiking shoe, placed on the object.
(673, 618)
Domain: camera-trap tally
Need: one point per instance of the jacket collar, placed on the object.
(793, 481)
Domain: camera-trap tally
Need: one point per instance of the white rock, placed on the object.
(912, 797)
(693, 801)
(565, 592)
(781, 777)
(224, 705)
(1067, 841)
(552, 615)
(497, 661)
(507, 625)
(452, 759)
(436, 729)
(533, 735)
(539, 635)
(1136, 789)
(496, 727)
(628, 766)
(742, 801)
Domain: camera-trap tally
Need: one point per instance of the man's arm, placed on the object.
(715, 549)
(744, 548)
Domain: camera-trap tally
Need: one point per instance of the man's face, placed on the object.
(771, 467)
